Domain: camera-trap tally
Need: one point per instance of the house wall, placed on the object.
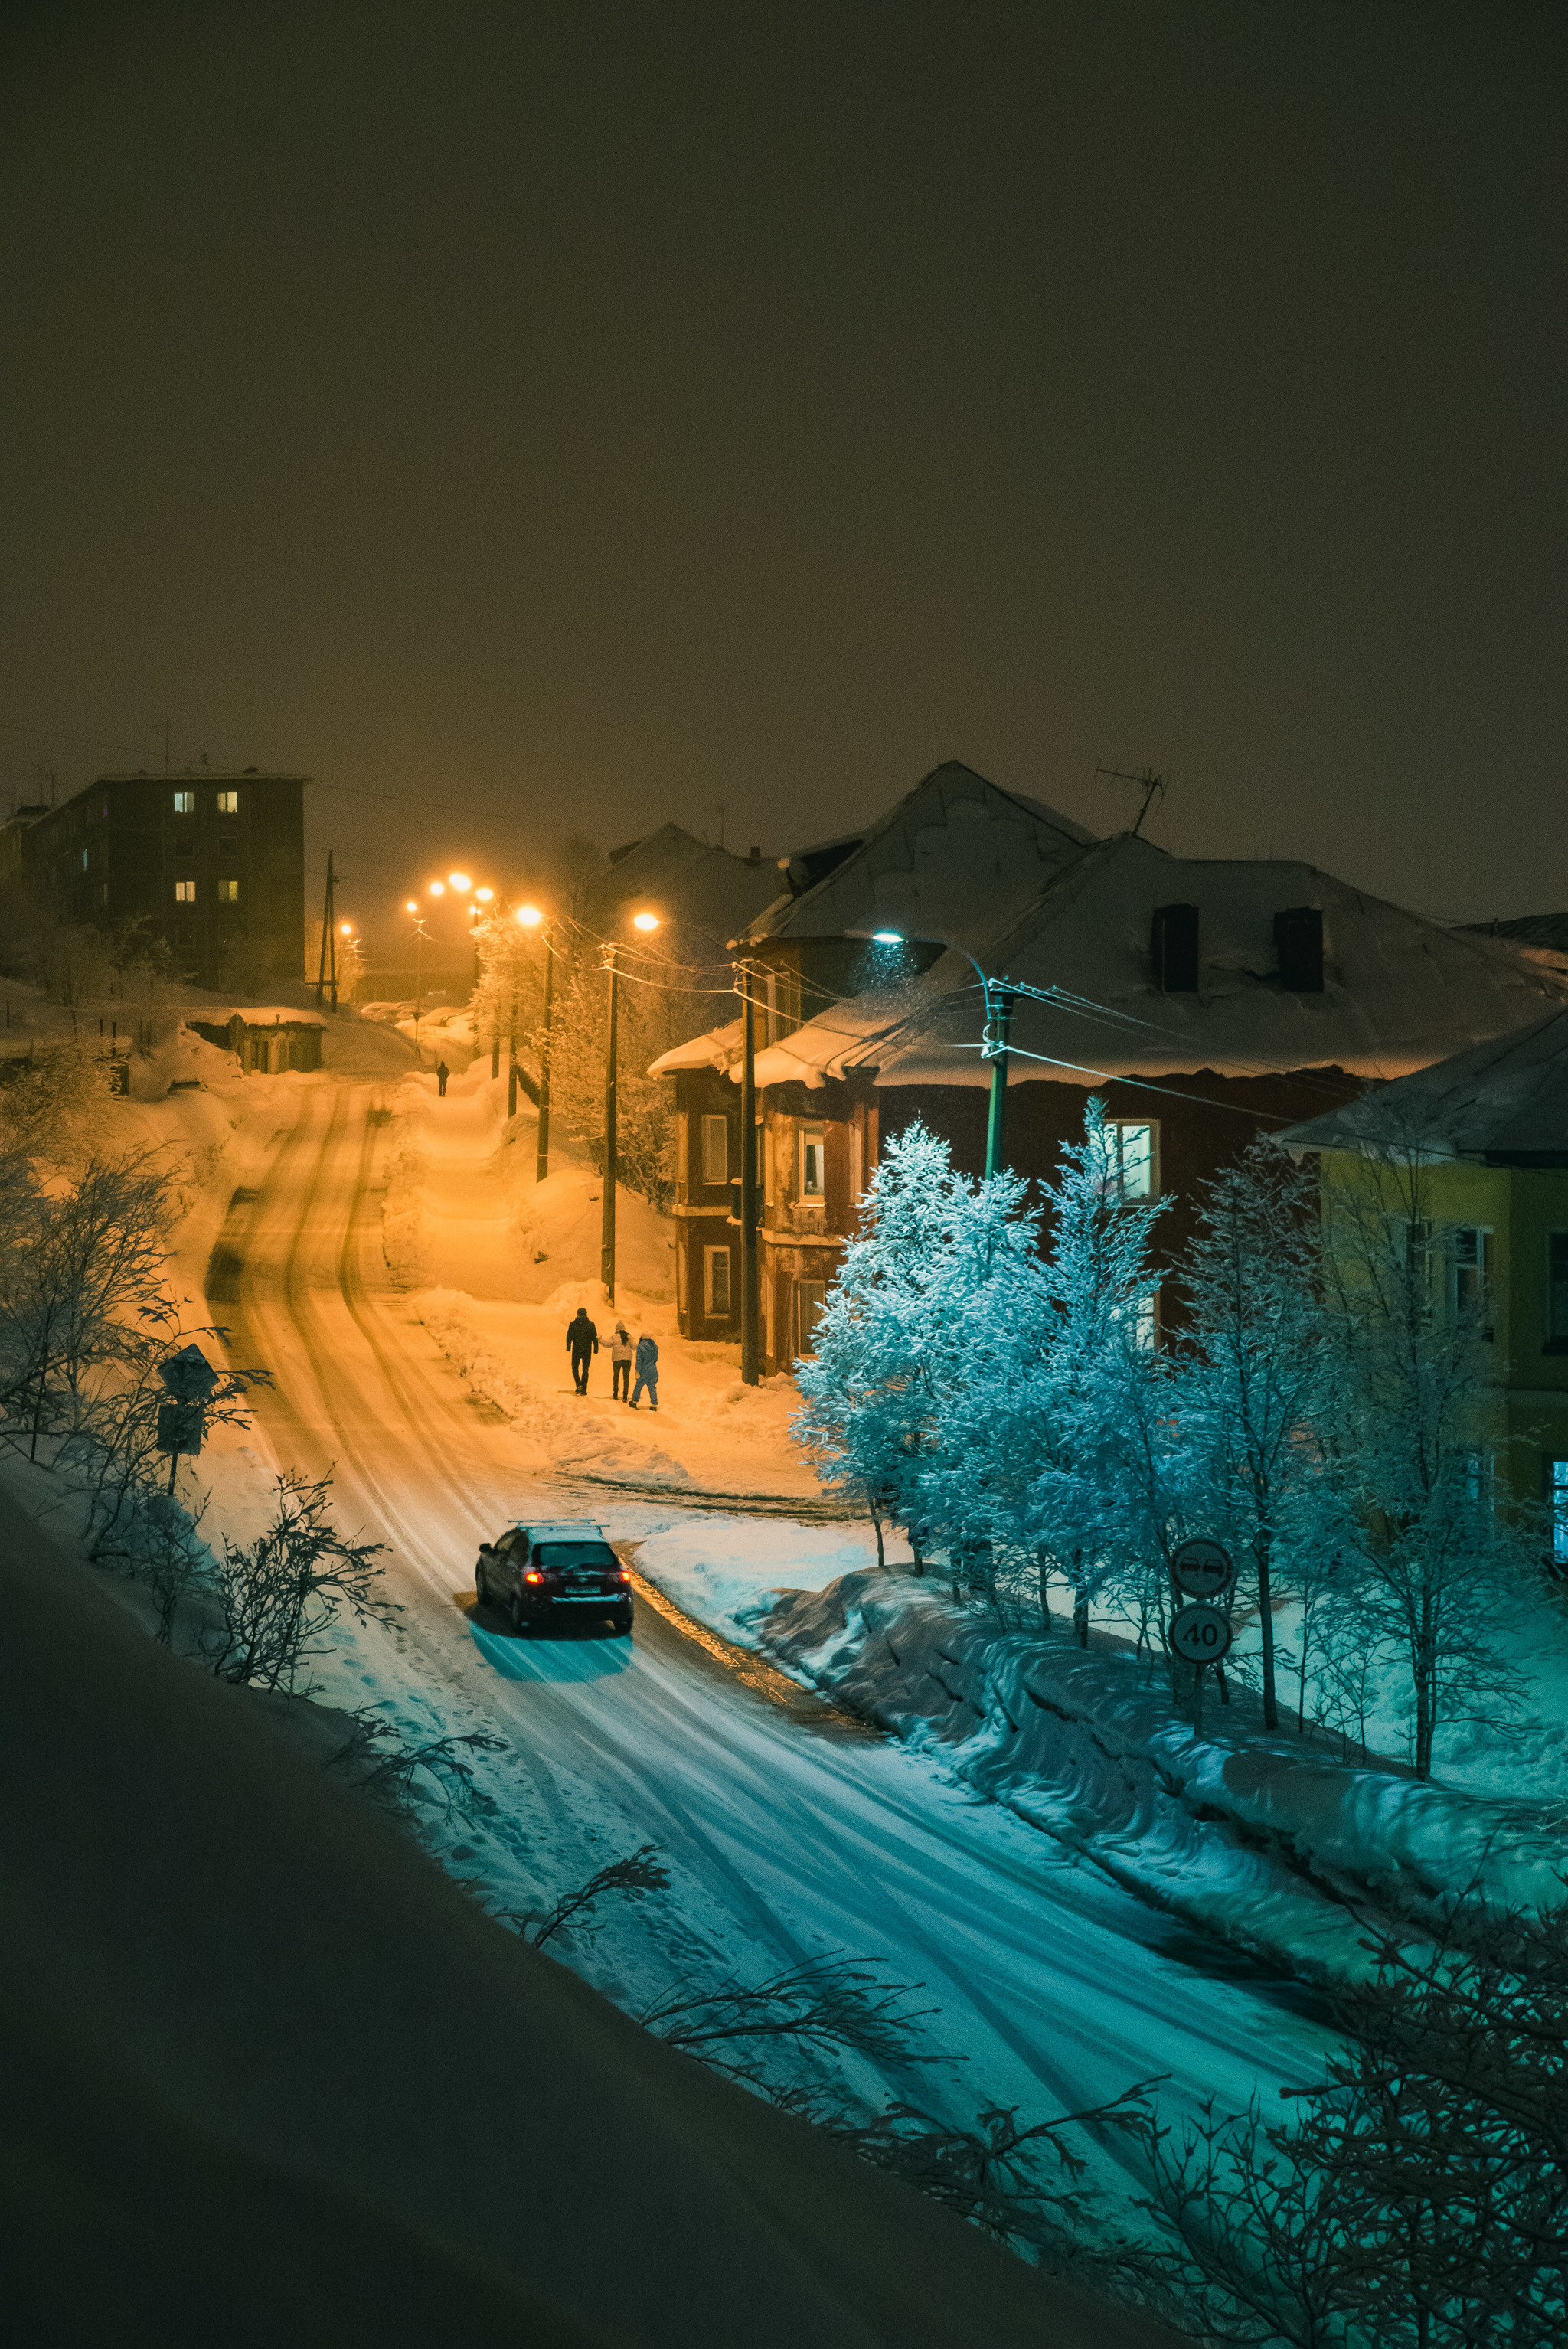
(706, 1213)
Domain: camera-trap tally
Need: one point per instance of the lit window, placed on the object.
(716, 1150)
(813, 1153)
(228, 893)
(1557, 1509)
(1132, 1146)
(184, 802)
(811, 1295)
(83, 860)
(228, 802)
(1557, 1284)
(185, 892)
(716, 1281)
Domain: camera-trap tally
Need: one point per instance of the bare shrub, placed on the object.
(407, 1772)
(279, 1594)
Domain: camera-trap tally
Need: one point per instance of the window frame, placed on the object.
(185, 892)
(799, 1289)
(228, 893)
(184, 802)
(228, 804)
(812, 1135)
(710, 1120)
(1150, 1126)
(712, 1309)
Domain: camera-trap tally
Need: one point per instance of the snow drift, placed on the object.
(1247, 1835)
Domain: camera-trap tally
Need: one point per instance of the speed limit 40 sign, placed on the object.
(1199, 1634)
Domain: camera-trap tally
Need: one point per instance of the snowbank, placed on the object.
(271, 2076)
(1240, 1834)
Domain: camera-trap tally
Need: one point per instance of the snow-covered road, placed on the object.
(788, 1832)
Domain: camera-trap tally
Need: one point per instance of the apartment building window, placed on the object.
(184, 802)
(228, 802)
(185, 892)
(186, 847)
(813, 1165)
(228, 893)
(1134, 1145)
(1557, 1291)
(1471, 1276)
(228, 843)
(1557, 1511)
(811, 1295)
(716, 1281)
(716, 1150)
(83, 860)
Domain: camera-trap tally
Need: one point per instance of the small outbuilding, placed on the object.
(266, 1039)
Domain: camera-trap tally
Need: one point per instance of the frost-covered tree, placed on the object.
(1104, 1484)
(1252, 1379)
(1411, 1430)
(868, 1409)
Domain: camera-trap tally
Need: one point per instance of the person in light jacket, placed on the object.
(620, 1363)
(647, 1372)
(582, 1344)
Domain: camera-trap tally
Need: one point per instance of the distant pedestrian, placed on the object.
(647, 1372)
(442, 1074)
(620, 1363)
(582, 1344)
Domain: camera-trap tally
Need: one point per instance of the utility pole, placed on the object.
(326, 970)
(542, 1166)
(750, 1366)
(607, 1219)
(998, 1022)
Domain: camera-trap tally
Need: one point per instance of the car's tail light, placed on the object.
(532, 1577)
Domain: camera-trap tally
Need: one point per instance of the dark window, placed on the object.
(227, 844)
(1298, 942)
(811, 1295)
(186, 847)
(1174, 950)
(1557, 1284)
(716, 1280)
(561, 1557)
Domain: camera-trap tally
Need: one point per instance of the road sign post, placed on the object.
(1200, 1631)
(190, 1380)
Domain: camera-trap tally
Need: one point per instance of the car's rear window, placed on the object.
(560, 1557)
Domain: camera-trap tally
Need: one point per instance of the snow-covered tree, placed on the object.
(1253, 1379)
(868, 1406)
(1412, 1429)
(1103, 1488)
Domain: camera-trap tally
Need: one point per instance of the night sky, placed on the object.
(527, 418)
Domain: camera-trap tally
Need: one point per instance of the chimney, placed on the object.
(754, 856)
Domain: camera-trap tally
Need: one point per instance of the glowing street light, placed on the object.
(411, 906)
(459, 882)
(645, 921)
(346, 928)
(530, 917)
(484, 896)
(438, 888)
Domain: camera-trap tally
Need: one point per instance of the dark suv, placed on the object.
(553, 1572)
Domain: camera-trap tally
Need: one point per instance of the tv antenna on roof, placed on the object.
(1151, 785)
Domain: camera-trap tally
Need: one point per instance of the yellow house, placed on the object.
(1489, 1129)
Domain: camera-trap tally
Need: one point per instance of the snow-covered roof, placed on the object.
(687, 882)
(956, 857)
(720, 1049)
(1504, 1100)
(254, 1015)
(1398, 991)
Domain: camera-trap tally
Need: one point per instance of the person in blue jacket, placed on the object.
(647, 1372)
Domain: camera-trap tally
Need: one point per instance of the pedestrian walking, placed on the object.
(582, 1344)
(620, 1363)
(647, 1372)
(442, 1074)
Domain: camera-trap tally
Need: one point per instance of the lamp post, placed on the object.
(411, 905)
(531, 918)
(644, 922)
(999, 997)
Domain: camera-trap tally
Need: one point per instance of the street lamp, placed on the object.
(644, 922)
(999, 997)
(411, 906)
(530, 917)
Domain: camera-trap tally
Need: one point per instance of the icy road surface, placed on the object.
(788, 1832)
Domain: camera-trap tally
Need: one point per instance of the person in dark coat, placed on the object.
(442, 1074)
(647, 1372)
(582, 1344)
